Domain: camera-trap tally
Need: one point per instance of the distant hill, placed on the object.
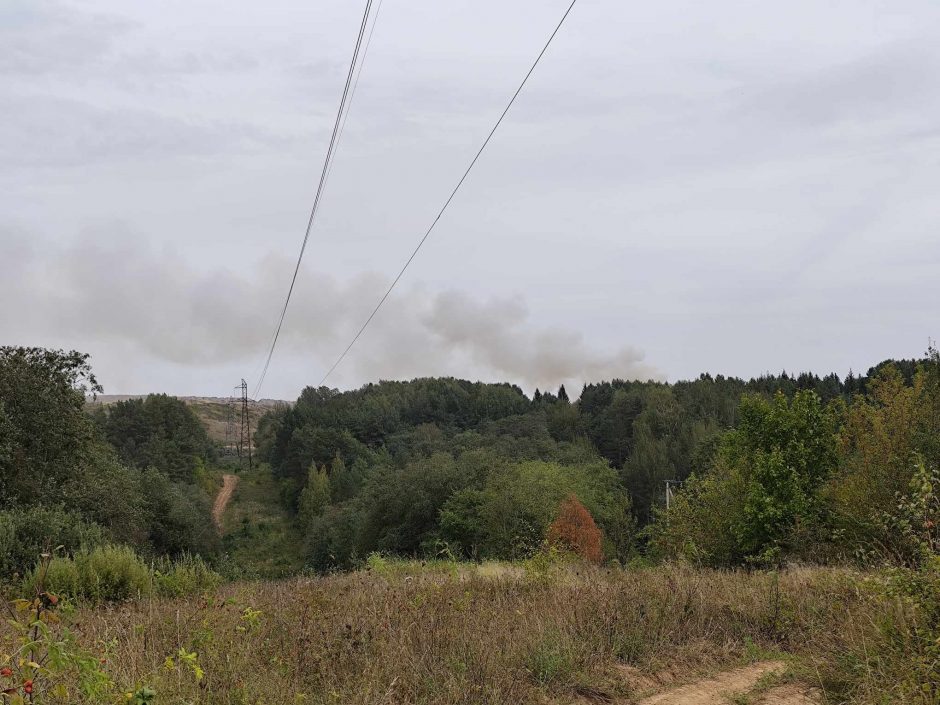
(218, 414)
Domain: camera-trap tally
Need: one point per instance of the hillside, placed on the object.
(218, 414)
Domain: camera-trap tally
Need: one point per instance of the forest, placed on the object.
(781, 467)
(134, 474)
(764, 470)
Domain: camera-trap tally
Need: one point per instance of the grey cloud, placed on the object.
(48, 131)
(891, 81)
(38, 37)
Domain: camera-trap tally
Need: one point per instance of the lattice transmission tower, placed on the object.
(243, 440)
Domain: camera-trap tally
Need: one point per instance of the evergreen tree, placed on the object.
(343, 484)
(537, 397)
(562, 394)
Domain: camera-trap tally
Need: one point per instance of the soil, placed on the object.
(229, 482)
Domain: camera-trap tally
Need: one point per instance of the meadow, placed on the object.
(546, 630)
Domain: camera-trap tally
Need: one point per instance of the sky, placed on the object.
(731, 186)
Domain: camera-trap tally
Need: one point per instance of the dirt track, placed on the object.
(229, 482)
(738, 683)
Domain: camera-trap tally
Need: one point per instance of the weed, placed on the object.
(550, 661)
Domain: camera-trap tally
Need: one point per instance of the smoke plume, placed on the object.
(118, 290)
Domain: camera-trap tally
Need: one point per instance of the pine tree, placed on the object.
(562, 394)
(537, 397)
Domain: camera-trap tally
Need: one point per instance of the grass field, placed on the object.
(539, 632)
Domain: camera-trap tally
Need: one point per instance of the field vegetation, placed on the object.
(539, 631)
(441, 541)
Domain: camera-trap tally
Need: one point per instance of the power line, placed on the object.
(316, 201)
(451, 197)
(352, 93)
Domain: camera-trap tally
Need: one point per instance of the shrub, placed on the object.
(105, 573)
(26, 533)
(188, 575)
(574, 530)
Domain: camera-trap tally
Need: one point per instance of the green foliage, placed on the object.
(260, 535)
(797, 478)
(333, 538)
(344, 482)
(30, 531)
(784, 452)
(314, 498)
(400, 507)
(159, 432)
(45, 662)
(177, 516)
(888, 437)
(45, 436)
(102, 574)
(761, 497)
(510, 515)
(186, 575)
(114, 573)
(53, 455)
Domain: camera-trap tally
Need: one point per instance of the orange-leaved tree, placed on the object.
(574, 530)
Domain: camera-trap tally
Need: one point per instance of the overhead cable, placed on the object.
(449, 198)
(327, 162)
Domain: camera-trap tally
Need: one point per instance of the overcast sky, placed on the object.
(684, 186)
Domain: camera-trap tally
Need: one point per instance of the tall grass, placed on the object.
(117, 573)
(405, 634)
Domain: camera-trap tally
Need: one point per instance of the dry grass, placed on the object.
(402, 633)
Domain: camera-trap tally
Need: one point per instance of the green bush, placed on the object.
(26, 533)
(103, 574)
(186, 576)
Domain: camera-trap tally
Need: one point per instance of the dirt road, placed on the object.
(229, 482)
(725, 687)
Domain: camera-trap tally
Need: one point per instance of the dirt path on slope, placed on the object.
(229, 482)
(719, 689)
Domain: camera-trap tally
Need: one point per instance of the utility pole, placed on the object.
(669, 486)
(243, 444)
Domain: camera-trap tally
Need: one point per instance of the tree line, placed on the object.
(767, 469)
(472, 470)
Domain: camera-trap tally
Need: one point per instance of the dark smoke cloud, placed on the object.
(109, 287)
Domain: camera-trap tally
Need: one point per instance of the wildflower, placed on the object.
(28, 687)
(6, 672)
